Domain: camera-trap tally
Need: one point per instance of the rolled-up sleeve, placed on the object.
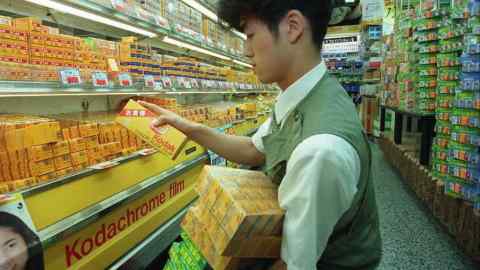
(261, 132)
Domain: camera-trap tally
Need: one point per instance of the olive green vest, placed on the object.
(355, 242)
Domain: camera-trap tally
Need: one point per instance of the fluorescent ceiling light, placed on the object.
(91, 16)
(193, 48)
(199, 7)
(210, 14)
(242, 63)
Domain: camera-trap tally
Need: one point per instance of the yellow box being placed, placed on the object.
(138, 119)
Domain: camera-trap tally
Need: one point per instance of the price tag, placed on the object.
(148, 152)
(112, 63)
(188, 83)
(204, 84)
(100, 79)
(119, 5)
(195, 83)
(70, 77)
(167, 82)
(158, 86)
(181, 82)
(149, 81)
(104, 165)
(125, 79)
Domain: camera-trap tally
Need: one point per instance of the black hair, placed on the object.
(35, 251)
(271, 13)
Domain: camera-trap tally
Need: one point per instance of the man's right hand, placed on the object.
(166, 117)
(235, 148)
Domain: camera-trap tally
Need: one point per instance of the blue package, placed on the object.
(474, 7)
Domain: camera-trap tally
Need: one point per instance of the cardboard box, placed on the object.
(80, 167)
(6, 173)
(14, 172)
(44, 133)
(77, 145)
(200, 236)
(66, 134)
(74, 132)
(61, 148)
(88, 130)
(240, 212)
(18, 156)
(4, 188)
(91, 142)
(4, 158)
(29, 24)
(22, 183)
(137, 119)
(42, 167)
(40, 152)
(79, 158)
(46, 177)
(62, 162)
(63, 172)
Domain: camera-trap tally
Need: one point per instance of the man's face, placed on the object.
(266, 51)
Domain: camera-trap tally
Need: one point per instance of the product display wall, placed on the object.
(436, 51)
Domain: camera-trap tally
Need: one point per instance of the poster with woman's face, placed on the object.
(20, 247)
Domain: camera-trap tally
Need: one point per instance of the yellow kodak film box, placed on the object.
(200, 237)
(40, 152)
(91, 142)
(63, 172)
(62, 162)
(77, 145)
(42, 167)
(61, 148)
(4, 188)
(47, 177)
(79, 158)
(138, 120)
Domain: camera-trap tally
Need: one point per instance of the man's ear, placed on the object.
(295, 24)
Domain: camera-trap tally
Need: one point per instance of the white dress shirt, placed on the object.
(319, 185)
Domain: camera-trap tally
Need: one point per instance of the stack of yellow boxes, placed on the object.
(26, 149)
(96, 138)
(47, 49)
(136, 58)
(35, 149)
(13, 44)
(236, 216)
(89, 55)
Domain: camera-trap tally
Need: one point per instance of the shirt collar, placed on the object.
(296, 92)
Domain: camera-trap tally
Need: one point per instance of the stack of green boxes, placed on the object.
(464, 158)
(426, 37)
(406, 59)
(185, 256)
(448, 62)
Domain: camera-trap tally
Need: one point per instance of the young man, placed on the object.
(313, 145)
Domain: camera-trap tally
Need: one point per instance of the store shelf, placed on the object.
(371, 81)
(87, 216)
(30, 9)
(35, 89)
(415, 114)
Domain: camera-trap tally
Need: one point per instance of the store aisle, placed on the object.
(412, 239)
